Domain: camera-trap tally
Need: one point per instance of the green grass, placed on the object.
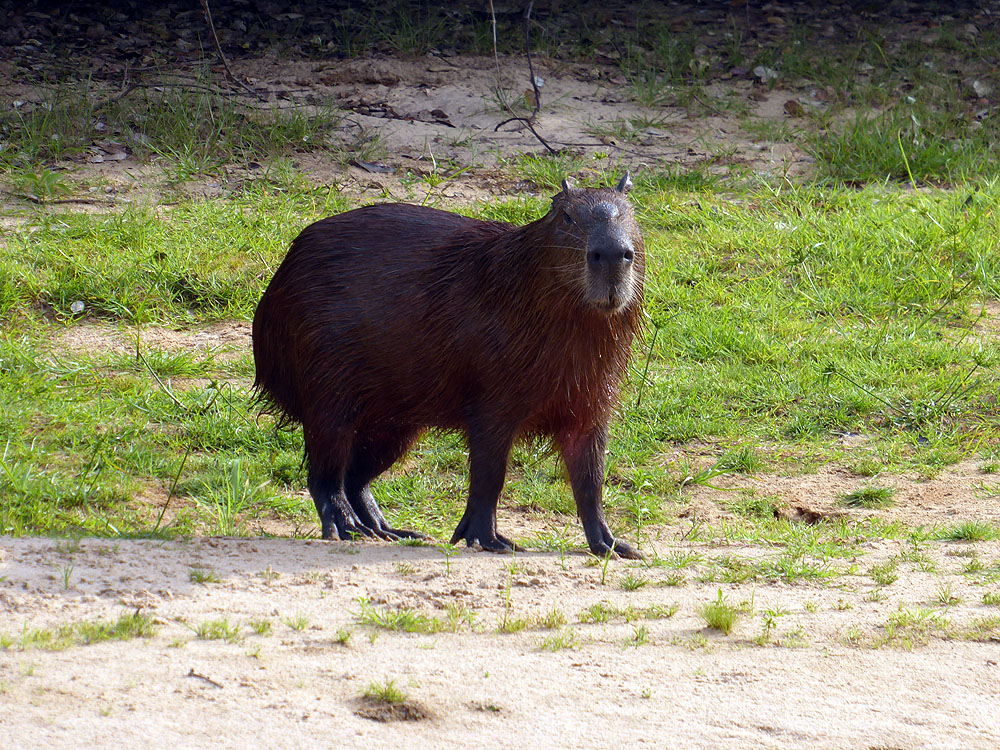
(191, 130)
(218, 630)
(870, 497)
(566, 639)
(384, 692)
(201, 575)
(126, 627)
(970, 531)
(780, 318)
(719, 614)
(918, 143)
(400, 619)
(606, 612)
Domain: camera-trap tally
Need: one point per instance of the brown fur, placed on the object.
(387, 320)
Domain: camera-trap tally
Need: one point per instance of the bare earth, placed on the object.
(296, 688)
(829, 676)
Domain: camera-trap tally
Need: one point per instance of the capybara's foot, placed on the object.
(603, 544)
(616, 549)
(396, 535)
(479, 533)
(370, 516)
(337, 516)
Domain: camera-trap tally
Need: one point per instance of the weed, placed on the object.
(126, 627)
(908, 627)
(770, 624)
(67, 572)
(640, 637)
(511, 624)
(984, 629)
(870, 497)
(600, 612)
(459, 616)
(678, 559)
(974, 566)
(43, 185)
(403, 568)
(297, 622)
(261, 626)
(604, 567)
(220, 629)
(884, 574)
(551, 620)
(202, 575)
(752, 506)
(270, 575)
(449, 551)
(384, 692)
(565, 640)
(970, 531)
(234, 494)
(945, 597)
(991, 598)
(719, 614)
(742, 460)
(630, 582)
(403, 618)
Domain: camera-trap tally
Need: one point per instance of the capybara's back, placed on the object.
(341, 329)
(387, 320)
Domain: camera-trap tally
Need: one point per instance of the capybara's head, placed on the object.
(600, 226)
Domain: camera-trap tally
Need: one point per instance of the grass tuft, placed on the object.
(719, 614)
(870, 497)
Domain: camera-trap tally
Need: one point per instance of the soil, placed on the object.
(685, 687)
(831, 673)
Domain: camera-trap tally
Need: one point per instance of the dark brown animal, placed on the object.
(388, 320)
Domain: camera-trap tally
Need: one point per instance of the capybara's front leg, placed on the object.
(584, 457)
(489, 450)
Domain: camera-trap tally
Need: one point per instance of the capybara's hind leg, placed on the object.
(335, 512)
(371, 456)
(327, 456)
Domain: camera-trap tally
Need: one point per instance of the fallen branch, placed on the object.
(218, 48)
(534, 84)
(209, 680)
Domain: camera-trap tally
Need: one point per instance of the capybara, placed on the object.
(389, 320)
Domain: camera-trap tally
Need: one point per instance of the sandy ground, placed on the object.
(686, 687)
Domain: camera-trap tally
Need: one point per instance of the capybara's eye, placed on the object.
(567, 218)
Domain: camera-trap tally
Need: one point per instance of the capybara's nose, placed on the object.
(610, 256)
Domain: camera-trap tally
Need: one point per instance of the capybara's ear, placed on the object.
(567, 185)
(624, 184)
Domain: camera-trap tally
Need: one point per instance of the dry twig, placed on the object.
(218, 48)
(534, 84)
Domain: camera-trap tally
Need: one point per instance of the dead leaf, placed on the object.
(794, 109)
(369, 167)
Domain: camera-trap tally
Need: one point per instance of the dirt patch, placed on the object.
(679, 683)
(380, 710)
(959, 493)
(224, 341)
(425, 129)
